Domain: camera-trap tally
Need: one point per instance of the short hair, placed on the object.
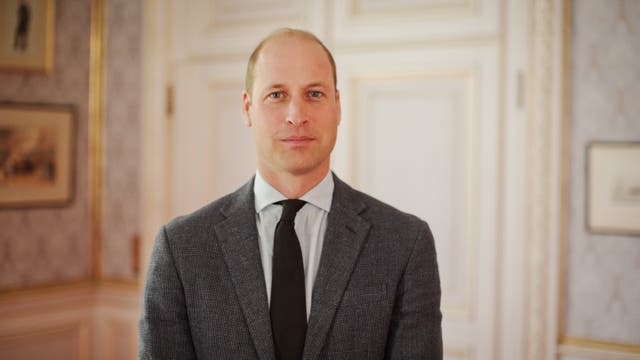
(280, 33)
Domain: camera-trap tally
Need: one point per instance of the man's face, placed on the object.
(294, 108)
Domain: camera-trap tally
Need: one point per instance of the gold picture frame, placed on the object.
(36, 155)
(26, 35)
(613, 188)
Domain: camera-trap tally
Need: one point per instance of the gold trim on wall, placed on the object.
(96, 126)
(563, 226)
(46, 288)
(121, 284)
(50, 37)
(599, 345)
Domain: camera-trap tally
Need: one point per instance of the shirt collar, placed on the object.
(320, 195)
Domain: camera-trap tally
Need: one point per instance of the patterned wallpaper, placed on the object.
(121, 137)
(603, 270)
(44, 245)
(52, 245)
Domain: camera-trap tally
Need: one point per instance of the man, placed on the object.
(338, 275)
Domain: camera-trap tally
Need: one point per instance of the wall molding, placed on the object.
(96, 132)
(465, 306)
(572, 346)
(543, 179)
(70, 321)
(74, 332)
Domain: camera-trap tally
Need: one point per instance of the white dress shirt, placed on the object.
(310, 225)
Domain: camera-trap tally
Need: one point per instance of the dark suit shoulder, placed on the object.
(204, 219)
(394, 223)
(376, 210)
(207, 213)
(383, 209)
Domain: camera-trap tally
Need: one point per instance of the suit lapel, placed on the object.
(346, 233)
(238, 238)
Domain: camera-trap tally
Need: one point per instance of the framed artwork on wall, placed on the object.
(26, 35)
(613, 187)
(36, 155)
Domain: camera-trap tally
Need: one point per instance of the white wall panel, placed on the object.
(50, 324)
(214, 152)
(63, 341)
(224, 27)
(412, 151)
(120, 339)
(420, 131)
(117, 313)
(80, 321)
(396, 22)
(457, 353)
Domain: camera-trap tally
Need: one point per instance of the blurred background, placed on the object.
(500, 122)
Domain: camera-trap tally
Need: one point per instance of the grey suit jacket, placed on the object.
(376, 294)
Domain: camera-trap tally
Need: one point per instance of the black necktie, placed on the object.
(288, 308)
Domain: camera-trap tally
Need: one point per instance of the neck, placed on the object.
(293, 186)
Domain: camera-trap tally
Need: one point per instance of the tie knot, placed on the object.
(290, 208)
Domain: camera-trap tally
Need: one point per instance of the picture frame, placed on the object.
(613, 188)
(26, 35)
(37, 151)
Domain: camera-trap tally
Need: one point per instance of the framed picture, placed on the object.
(36, 154)
(613, 187)
(26, 34)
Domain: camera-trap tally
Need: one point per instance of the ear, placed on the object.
(338, 106)
(246, 106)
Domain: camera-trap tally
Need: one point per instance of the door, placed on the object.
(423, 125)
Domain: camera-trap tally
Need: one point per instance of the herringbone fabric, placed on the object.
(376, 294)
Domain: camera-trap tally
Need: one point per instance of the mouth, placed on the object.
(297, 140)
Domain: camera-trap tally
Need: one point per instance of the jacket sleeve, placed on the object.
(415, 331)
(164, 325)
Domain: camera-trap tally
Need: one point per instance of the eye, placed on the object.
(276, 95)
(315, 94)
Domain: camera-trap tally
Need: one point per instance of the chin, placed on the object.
(303, 169)
(300, 170)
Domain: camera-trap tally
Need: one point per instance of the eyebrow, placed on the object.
(313, 84)
(274, 86)
(317, 84)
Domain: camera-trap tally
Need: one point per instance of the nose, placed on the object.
(297, 112)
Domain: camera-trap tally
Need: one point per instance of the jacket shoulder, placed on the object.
(383, 212)
(376, 210)
(207, 216)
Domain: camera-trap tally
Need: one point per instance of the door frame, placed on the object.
(533, 204)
